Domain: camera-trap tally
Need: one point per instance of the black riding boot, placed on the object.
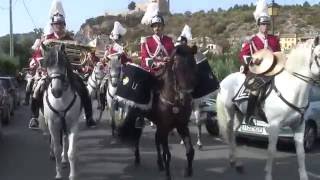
(252, 103)
(34, 123)
(86, 101)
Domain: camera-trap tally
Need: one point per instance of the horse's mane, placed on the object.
(298, 58)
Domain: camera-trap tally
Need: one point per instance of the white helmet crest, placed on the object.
(261, 12)
(118, 30)
(56, 7)
(152, 10)
(186, 32)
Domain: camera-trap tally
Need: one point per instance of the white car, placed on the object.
(311, 117)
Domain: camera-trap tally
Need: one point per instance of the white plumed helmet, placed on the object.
(152, 11)
(118, 31)
(186, 32)
(261, 14)
(56, 12)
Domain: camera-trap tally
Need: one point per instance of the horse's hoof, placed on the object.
(60, 178)
(239, 169)
(51, 157)
(160, 166)
(187, 172)
(65, 165)
(114, 141)
(137, 162)
(232, 163)
(200, 147)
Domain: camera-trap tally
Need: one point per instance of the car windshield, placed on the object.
(5, 83)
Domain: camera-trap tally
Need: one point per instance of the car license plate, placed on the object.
(252, 129)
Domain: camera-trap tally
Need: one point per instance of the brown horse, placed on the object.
(172, 105)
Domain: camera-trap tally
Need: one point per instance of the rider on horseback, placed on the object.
(116, 48)
(155, 51)
(58, 25)
(259, 41)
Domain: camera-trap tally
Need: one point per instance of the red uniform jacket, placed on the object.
(112, 50)
(257, 43)
(156, 49)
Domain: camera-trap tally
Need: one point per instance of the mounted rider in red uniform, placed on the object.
(58, 26)
(156, 49)
(259, 41)
(116, 46)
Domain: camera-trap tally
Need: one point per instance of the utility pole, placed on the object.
(11, 32)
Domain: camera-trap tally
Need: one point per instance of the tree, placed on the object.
(306, 4)
(132, 6)
(38, 32)
(188, 13)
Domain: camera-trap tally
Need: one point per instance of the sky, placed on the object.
(30, 14)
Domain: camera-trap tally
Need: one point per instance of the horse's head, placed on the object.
(181, 69)
(57, 65)
(315, 58)
(98, 72)
(114, 69)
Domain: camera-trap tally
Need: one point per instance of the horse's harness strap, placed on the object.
(304, 78)
(166, 101)
(301, 110)
(64, 112)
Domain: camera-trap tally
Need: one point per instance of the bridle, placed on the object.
(179, 93)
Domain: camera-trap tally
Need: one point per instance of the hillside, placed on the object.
(236, 22)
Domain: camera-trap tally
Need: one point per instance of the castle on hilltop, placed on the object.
(164, 6)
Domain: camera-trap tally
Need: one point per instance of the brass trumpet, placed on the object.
(76, 52)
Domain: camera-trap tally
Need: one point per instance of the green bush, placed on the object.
(223, 65)
(8, 65)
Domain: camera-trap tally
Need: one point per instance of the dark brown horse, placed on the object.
(172, 105)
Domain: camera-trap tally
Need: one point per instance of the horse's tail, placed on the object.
(222, 117)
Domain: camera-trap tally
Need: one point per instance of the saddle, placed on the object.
(262, 86)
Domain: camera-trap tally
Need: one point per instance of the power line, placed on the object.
(34, 24)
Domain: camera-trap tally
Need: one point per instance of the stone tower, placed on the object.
(164, 6)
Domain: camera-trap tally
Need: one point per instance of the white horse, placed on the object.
(94, 82)
(284, 106)
(113, 80)
(62, 106)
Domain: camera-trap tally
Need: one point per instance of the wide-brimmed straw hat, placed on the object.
(267, 62)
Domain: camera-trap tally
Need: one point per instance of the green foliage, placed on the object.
(131, 5)
(8, 65)
(222, 65)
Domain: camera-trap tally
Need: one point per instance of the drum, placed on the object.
(136, 84)
(207, 82)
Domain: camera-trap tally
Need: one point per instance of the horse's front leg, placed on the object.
(159, 160)
(299, 140)
(137, 152)
(185, 136)
(166, 153)
(64, 154)
(57, 148)
(273, 131)
(71, 153)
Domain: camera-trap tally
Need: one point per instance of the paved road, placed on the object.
(24, 156)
